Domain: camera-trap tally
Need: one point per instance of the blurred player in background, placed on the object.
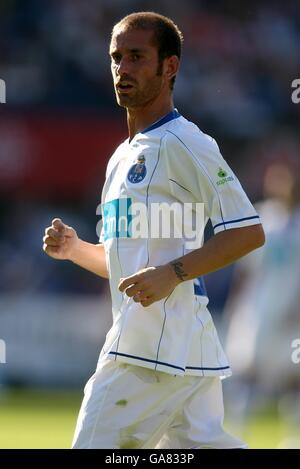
(263, 322)
(158, 378)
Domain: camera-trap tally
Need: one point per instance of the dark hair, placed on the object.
(166, 35)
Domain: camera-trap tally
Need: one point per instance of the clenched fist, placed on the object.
(150, 284)
(60, 240)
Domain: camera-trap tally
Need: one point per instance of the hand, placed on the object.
(150, 284)
(60, 240)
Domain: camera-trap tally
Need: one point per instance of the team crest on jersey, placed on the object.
(138, 171)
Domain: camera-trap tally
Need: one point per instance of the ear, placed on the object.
(171, 66)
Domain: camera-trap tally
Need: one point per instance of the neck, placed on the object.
(139, 119)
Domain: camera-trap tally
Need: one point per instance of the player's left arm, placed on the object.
(154, 283)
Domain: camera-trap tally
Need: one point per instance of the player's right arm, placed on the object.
(61, 242)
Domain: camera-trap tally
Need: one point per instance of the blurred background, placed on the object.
(58, 128)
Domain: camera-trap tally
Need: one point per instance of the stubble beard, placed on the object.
(139, 97)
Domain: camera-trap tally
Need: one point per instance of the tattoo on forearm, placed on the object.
(177, 266)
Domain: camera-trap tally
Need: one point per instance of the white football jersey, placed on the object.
(170, 161)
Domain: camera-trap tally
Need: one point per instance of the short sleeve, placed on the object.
(196, 164)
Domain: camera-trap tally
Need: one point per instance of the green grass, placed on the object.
(38, 419)
(264, 431)
(44, 419)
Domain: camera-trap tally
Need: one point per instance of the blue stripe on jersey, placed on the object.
(145, 360)
(235, 221)
(168, 117)
(169, 364)
(199, 287)
(206, 368)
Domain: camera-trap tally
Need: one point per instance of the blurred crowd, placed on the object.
(238, 60)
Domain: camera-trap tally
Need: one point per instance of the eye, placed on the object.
(136, 57)
(116, 58)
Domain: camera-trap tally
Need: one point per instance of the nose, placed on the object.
(123, 67)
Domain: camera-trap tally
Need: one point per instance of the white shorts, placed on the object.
(127, 406)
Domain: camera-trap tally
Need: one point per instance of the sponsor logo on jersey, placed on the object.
(138, 171)
(117, 218)
(223, 177)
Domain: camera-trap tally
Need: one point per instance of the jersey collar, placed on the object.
(168, 117)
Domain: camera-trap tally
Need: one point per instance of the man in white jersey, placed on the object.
(157, 382)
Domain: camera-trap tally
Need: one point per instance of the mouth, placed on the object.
(124, 86)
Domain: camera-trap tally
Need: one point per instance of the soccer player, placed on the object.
(158, 379)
